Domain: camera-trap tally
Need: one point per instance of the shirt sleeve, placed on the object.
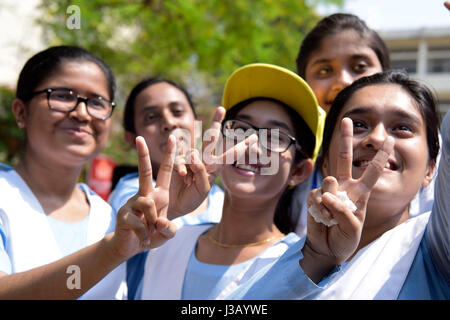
(123, 191)
(5, 261)
(284, 280)
(437, 232)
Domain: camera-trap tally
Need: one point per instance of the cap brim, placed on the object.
(270, 81)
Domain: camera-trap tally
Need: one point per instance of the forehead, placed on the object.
(82, 76)
(265, 113)
(383, 100)
(343, 45)
(160, 94)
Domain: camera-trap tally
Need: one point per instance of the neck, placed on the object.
(245, 221)
(47, 178)
(375, 224)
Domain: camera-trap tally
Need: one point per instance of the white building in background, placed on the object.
(20, 38)
(425, 54)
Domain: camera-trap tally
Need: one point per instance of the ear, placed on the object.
(429, 174)
(130, 138)
(300, 172)
(19, 110)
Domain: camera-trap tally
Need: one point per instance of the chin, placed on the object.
(387, 192)
(240, 189)
(83, 153)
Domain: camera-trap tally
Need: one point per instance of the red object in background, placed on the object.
(100, 175)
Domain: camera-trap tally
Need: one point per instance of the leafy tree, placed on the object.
(196, 42)
(11, 137)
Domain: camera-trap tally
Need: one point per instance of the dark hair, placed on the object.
(128, 114)
(46, 63)
(285, 219)
(420, 93)
(335, 24)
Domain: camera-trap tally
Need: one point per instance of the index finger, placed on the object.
(144, 167)
(219, 115)
(215, 128)
(345, 157)
(376, 166)
(166, 167)
(237, 151)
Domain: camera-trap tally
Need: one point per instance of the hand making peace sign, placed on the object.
(193, 179)
(142, 222)
(338, 242)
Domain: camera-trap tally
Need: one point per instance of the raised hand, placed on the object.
(142, 222)
(335, 244)
(194, 178)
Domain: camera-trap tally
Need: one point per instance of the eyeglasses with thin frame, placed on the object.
(275, 140)
(66, 100)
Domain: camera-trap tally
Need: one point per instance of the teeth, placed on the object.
(246, 167)
(365, 163)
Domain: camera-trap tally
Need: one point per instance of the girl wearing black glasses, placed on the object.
(57, 239)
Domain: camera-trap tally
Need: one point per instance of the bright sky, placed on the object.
(19, 38)
(397, 14)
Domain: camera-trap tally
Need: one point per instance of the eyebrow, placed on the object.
(352, 57)
(398, 113)
(271, 122)
(320, 61)
(73, 90)
(148, 108)
(151, 107)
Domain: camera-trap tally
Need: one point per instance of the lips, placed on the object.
(77, 130)
(364, 162)
(248, 167)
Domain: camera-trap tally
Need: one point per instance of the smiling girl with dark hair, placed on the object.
(57, 235)
(380, 147)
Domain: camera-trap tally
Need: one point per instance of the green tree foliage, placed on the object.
(11, 137)
(196, 42)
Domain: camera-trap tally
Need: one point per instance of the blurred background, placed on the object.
(201, 42)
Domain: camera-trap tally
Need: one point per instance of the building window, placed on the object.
(443, 108)
(438, 60)
(409, 65)
(439, 65)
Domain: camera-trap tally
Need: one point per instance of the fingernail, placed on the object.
(195, 158)
(253, 139)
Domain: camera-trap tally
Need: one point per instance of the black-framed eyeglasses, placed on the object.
(271, 139)
(66, 100)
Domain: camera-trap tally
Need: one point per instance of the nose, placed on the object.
(343, 79)
(169, 122)
(257, 153)
(375, 138)
(80, 112)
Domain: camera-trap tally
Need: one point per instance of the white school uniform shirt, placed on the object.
(29, 242)
(166, 266)
(410, 261)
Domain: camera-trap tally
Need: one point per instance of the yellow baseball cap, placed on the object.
(271, 81)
